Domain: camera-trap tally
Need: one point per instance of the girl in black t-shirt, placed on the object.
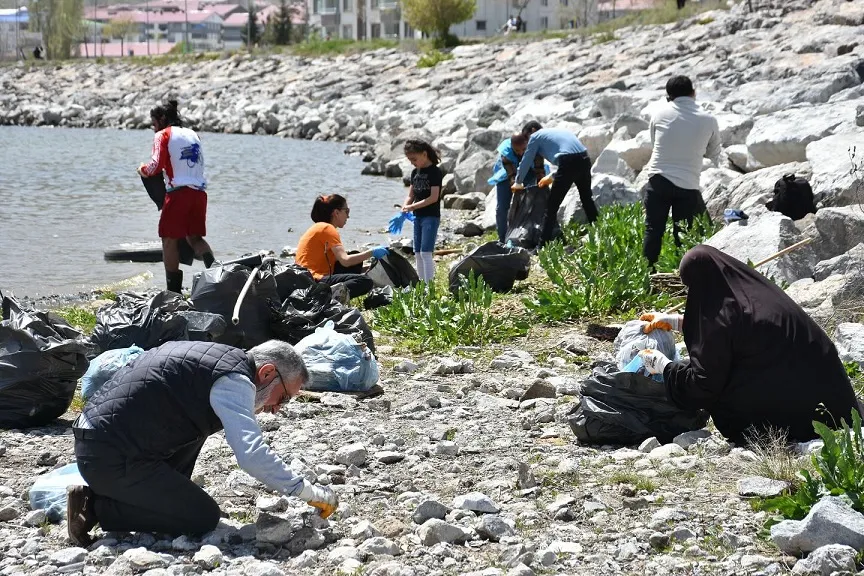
(424, 200)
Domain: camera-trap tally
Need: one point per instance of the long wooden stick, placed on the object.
(774, 256)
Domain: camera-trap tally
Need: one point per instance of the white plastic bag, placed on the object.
(103, 367)
(49, 491)
(336, 362)
(631, 340)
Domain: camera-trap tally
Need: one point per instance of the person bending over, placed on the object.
(138, 437)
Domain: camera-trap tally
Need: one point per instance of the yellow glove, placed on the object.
(545, 181)
(321, 497)
(662, 321)
(516, 187)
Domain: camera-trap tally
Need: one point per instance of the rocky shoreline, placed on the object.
(466, 464)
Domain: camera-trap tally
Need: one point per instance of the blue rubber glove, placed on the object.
(409, 216)
(396, 222)
(380, 252)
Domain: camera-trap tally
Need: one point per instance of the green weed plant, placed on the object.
(431, 58)
(429, 317)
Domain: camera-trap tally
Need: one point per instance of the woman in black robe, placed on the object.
(757, 359)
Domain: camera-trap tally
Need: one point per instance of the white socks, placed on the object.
(425, 266)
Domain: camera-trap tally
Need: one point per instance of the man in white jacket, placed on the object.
(138, 437)
(682, 134)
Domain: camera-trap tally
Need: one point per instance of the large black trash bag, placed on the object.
(525, 219)
(307, 309)
(216, 290)
(291, 277)
(41, 360)
(498, 265)
(142, 321)
(392, 270)
(627, 408)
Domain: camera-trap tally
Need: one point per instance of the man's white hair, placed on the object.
(288, 362)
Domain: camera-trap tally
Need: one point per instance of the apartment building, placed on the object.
(359, 19)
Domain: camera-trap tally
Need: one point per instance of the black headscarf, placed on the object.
(756, 358)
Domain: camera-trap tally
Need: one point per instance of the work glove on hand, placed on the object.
(380, 252)
(662, 321)
(516, 187)
(545, 181)
(320, 497)
(654, 361)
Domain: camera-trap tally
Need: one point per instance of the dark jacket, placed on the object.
(161, 401)
(756, 358)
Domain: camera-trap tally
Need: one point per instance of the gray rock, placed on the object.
(406, 367)
(687, 439)
(473, 171)
(208, 557)
(35, 518)
(833, 179)
(526, 477)
(429, 509)
(257, 568)
(389, 457)
(511, 359)
(68, 556)
(446, 448)
(489, 113)
(184, 544)
(783, 136)
(520, 570)
(273, 529)
(840, 229)
(849, 338)
(380, 545)
(434, 531)
(539, 389)
(649, 444)
(851, 263)
(610, 162)
(493, 527)
(830, 521)
(682, 534)
(666, 451)
(352, 454)
(596, 138)
(447, 366)
(142, 559)
(469, 229)
(578, 344)
(634, 124)
(468, 201)
(761, 487)
(658, 540)
(364, 530)
(827, 560)
(606, 189)
(8, 513)
(476, 502)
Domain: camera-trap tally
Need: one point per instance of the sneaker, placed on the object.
(80, 516)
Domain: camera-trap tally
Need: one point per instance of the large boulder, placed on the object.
(840, 229)
(830, 521)
(831, 300)
(610, 162)
(489, 113)
(596, 138)
(783, 137)
(487, 219)
(613, 103)
(758, 184)
(606, 190)
(734, 128)
(833, 178)
(849, 337)
(850, 263)
(758, 238)
(473, 172)
(635, 151)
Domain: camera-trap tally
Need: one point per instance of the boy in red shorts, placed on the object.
(177, 154)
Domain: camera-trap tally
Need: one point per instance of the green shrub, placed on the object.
(80, 318)
(839, 467)
(600, 269)
(433, 57)
(431, 318)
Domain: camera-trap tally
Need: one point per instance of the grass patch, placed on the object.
(431, 58)
(77, 402)
(856, 377)
(638, 481)
(81, 318)
(317, 47)
(775, 458)
(599, 270)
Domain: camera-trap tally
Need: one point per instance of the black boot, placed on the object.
(174, 280)
(208, 259)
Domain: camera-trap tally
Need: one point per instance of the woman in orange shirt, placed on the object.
(321, 252)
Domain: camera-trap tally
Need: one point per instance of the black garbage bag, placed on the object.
(41, 360)
(498, 265)
(291, 277)
(306, 309)
(378, 297)
(204, 326)
(155, 186)
(627, 408)
(392, 270)
(142, 321)
(525, 219)
(216, 290)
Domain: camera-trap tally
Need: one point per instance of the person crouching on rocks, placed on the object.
(321, 252)
(137, 439)
(757, 359)
(177, 154)
(424, 200)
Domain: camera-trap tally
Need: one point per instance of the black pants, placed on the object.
(358, 284)
(659, 196)
(572, 169)
(137, 494)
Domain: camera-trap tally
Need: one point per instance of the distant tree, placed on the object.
(436, 16)
(121, 29)
(251, 33)
(282, 25)
(60, 24)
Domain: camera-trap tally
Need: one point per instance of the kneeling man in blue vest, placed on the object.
(138, 437)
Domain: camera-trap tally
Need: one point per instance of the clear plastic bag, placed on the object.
(103, 367)
(49, 491)
(631, 340)
(336, 362)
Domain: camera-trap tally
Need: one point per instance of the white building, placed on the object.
(16, 40)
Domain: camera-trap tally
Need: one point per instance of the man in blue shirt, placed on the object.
(564, 150)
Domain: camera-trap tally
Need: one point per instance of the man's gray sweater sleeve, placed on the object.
(233, 399)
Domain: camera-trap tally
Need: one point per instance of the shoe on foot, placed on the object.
(80, 516)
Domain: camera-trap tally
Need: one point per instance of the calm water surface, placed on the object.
(68, 194)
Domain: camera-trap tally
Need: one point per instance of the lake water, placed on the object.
(66, 195)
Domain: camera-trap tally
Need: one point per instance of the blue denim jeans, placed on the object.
(504, 197)
(425, 233)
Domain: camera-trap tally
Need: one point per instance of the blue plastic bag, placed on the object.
(637, 366)
(49, 491)
(336, 362)
(103, 368)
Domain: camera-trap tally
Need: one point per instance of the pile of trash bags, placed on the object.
(41, 359)
(623, 404)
